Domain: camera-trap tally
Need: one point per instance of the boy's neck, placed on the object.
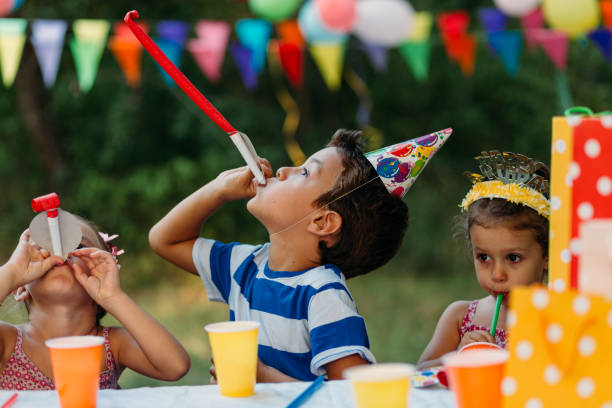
(61, 321)
(292, 253)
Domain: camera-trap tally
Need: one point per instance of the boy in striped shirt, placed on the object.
(329, 219)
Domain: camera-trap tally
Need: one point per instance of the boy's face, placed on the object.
(289, 196)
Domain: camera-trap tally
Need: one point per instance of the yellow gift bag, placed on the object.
(560, 350)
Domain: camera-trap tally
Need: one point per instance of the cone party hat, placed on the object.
(399, 165)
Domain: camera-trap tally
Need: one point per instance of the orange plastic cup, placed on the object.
(380, 385)
(234, 350)
(479, 345)
(475, 377)
(76, 369)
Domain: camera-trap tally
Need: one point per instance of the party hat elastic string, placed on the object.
(324, 205)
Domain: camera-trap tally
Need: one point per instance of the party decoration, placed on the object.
(208, 49)
(560, 349)
(421, 26)
(508, 45)
(289, 32)
(12, 39)
(459, 46)
(337, 15)
(9, 6)
(492, 19)
(242, 57)
(48, 42)
(385, 22)
(172, 37)
(416, 55)
(329, 57)
(602, 38)
(530, 22)
(313, 28)
(292, 60)
(606, 12)
(573, 17)
(554, 43)
(254, 34)
(399, 165)
(87, 48)
(378, 54)
(361, 89)
(274, 10)
(128, 54)
(517, 8)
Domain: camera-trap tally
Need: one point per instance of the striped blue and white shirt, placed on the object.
(307, 318)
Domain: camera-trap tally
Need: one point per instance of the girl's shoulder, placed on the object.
(457, 310)
(8, 338)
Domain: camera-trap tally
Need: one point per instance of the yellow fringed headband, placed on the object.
(512, 177)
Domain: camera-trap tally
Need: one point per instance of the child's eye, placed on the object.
(304, 172)
(482, 257)
(514, 258)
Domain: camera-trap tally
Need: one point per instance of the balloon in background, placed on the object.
(573, 17)
(313, 28)
(274, 10)
(517, 8)
(9, 6)
(383, 22)
(337, 14)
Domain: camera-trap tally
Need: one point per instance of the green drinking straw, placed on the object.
(496, 314)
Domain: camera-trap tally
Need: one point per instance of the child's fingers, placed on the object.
(79, 273)
(266, 167)
(51, 261)
(25, 236)
(84, 251)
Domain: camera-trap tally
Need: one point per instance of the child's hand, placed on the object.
(238, 184)
(476, 336)
(29, 262)
(102, 281)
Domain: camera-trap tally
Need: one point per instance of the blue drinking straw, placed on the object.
(307, 392)
(496, 314)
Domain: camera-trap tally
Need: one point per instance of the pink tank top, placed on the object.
(20, 373)
(467, 326)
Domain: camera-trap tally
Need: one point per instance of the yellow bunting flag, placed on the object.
(421, 26)
(329, 57)
(12, 39)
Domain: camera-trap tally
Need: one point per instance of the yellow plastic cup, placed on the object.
(381, 385)
(479, 345)
(475, 377)
(234, 350)
(76, 364)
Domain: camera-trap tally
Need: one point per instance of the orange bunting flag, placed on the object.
(459, 46)
(606, 12)
(128, 53)
(289, 32)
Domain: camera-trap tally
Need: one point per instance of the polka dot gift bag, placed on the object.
(560, 350)
(581, 187)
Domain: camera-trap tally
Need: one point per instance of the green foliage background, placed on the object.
(125, 157)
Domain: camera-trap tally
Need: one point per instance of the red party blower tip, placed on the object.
(49, 202)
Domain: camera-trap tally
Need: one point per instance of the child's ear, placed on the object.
(325, 223)
(21, 293)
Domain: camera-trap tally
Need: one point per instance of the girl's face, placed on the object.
(505, 257)
(59, 285)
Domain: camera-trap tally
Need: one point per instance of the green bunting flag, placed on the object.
(416, 55)
(87, 48)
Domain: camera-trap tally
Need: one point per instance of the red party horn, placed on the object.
(241, 140)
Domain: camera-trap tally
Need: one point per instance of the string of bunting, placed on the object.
(90, 38)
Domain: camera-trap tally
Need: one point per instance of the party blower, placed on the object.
(242, 141)
(50, 203)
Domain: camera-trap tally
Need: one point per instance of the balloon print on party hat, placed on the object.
(399, 165)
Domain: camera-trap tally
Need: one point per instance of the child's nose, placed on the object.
(282, 173)
(499, 273)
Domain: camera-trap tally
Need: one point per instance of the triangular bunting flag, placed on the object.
(254, 34)
(173, 51)
(329, 57)
(289, 32)
(48, 42)
(378, 54)
(128, 53)
(416, 55)
(242, 58)
(172, 36)
(602, 37)
(121, 29)
(492, 19)
(292, 60)
(530, 22)
(508, 45)
(421, 26)
(12, 39)
(87, 48)
(606, 12)
(208, 49)
(467, 54)
(453, 27)
(554, 44)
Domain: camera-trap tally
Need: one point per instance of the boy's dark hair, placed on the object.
(373, 220)
(487, 212)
